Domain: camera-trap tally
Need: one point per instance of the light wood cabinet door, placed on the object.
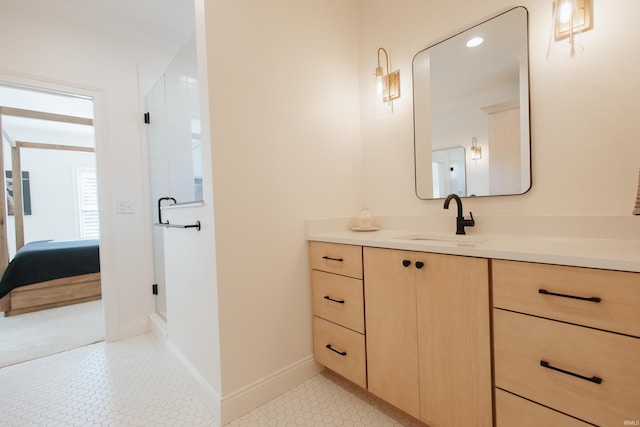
(428, 335)
(454, 340)
(392, 335)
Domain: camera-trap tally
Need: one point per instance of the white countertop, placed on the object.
(613, 254)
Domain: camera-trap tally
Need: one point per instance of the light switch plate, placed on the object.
(124, 206)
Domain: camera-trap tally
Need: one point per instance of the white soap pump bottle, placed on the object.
(365, 221)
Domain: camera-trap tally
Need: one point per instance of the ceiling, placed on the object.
(166, 24)
(163, 23)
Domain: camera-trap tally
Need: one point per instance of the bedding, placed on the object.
(50, 259)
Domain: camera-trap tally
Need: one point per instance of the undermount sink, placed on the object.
(454, 238)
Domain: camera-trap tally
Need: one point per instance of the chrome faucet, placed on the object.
(461, 222)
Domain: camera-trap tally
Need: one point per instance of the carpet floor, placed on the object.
(32, 335)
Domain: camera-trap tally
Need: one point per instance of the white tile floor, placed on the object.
(325, 400)
(137, 382)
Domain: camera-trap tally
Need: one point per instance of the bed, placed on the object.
(48, 274)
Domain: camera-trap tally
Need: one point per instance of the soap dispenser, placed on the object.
(364, 220)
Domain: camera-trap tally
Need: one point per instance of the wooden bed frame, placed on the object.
(51, 294)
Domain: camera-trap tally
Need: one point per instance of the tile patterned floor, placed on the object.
(325, 400)
(137, 382)
(134, 382)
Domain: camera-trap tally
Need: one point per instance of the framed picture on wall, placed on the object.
(26, 192)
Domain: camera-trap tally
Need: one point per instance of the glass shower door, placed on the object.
(173, 138)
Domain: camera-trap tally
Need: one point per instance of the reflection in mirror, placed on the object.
(465, 92)
(449, 172)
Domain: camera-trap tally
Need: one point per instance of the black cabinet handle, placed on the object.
(592, 299)
(546, 364)
(419, 265)
(341, 353)
(406, 263)
(333, 259)
(334, 300)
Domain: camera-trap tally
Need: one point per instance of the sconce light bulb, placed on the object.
(379, 87)
(565, 12)
(476, 151)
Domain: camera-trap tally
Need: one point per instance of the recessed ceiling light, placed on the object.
(476, 41)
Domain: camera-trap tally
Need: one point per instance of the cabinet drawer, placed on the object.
(338, 299)
(522, 342)
(516, 287)
(351, 363)
(336, 258)
(512, 410)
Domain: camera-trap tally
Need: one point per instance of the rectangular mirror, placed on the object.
(472, 91)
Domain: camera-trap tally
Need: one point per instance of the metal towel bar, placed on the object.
(166, 224)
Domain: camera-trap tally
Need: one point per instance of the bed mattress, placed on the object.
(50, 259)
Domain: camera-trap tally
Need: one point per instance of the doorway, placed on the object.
(52, 224)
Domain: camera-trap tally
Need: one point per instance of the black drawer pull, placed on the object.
(334, 300)
(341, 353)
(406, 263)
(546, 364)
(419, 265)
(592, 299)
(333, 259)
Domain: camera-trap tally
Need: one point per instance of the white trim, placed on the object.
(207, 394)
(158, 325)
(254, 395)
(130, 329)
(238, 403)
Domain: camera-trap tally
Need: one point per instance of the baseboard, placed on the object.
(207, 394)
(131, 329)
(250, 397)
(236, 404)
(158, 325)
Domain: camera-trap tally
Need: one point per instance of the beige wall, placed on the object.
(283, 94)
(584, 111)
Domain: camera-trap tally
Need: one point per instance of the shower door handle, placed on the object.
(160, 208)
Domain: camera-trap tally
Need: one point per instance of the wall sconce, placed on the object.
(476, 150)
(570, 19)
(387, 84)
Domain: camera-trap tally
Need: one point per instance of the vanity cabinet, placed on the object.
(428, 335)
(338, 309)
(566, 339)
